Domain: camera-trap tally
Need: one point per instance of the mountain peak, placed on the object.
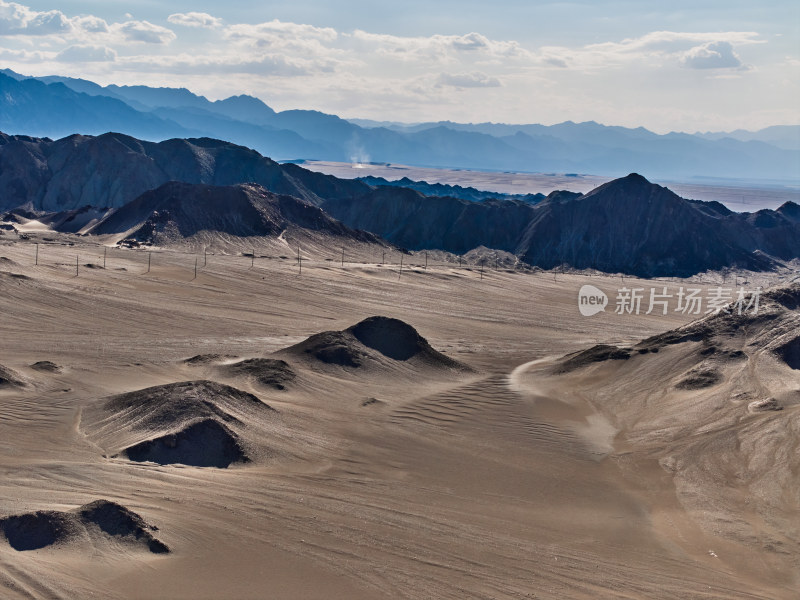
(635, 179)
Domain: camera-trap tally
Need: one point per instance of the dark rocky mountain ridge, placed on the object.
(627, 225)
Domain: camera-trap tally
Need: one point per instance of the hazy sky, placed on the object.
(679, 65)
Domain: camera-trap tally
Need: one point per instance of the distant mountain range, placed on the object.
(167, 192)
(58, 106)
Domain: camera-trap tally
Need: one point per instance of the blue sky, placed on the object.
(684, 66)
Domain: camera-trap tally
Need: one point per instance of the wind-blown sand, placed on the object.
(406, 476)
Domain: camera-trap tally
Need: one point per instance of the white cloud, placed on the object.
(712, 55)
(468, 80)
(91, 24)
(443, 48)
(195, 19)
(16, 19)
(281, 30)
(144, 31)
(656, 49)
(81, 54)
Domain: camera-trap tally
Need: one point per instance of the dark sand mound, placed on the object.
(376, 341)
(10, 378)
(206, 443)
(595, 354)
(269, 372)
(46, 366)
(390, 337)
(100, 520)
(195, 423)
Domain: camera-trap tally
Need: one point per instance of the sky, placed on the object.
(667, 66)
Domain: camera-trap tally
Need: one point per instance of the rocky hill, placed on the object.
(112, 169)
(176, 211)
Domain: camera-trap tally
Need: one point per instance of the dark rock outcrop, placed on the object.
(101, 520)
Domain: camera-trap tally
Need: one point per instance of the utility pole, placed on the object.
(400, 274)
(205, 256)
(149, 260)
(105, 253)
(383, 260)
(76, 265)
(195, 267)
(426, 260)
(342, 255)
(37, 254)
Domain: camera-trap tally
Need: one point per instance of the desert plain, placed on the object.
(477, 462)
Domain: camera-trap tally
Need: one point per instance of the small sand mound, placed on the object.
(333, 348)
(100, 520)
(10, 378)
(177, 404)
(206, 359)
(699, 378)
(206, 443)
(269, 372)
(195, 423)
(768, 404)
(790, 352)
(376, 341)
(595, 354)
(116, 520)
(46, 366)
(38, 530)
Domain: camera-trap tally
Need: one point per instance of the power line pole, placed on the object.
(37, 254)
(205, 256)
(149, 260)
(195, 266)
(342, 255)
(400, 274)
(426, 260)
(105, 253)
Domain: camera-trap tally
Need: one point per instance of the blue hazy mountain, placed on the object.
(35, 108)
(58, 106)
